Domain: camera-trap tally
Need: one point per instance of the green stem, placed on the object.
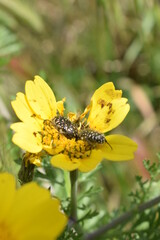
(73, 179)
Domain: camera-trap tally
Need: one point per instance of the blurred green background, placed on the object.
(76, 46)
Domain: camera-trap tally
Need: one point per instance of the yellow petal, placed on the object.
(41, 98)
(53, 150)
(123, 148)
(64, 162)
(31, 123)
(26, 136)
(86, 110)
(107, 92)
(21, 107)
(50, 223)
(35, 214)
(89, 163)
(7, 192)
(60, 106)
(72, 116)
(108, 109)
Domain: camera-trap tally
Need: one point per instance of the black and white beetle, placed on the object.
(93, 137)
(70, 130)
(65, 127)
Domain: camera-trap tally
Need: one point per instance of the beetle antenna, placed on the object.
(108, 144)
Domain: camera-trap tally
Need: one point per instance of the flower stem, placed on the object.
(73, 179)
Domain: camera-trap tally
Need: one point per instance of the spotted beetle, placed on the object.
(70, 130)
(93, 137)
(65, 127)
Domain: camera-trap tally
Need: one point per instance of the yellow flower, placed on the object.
(29, 212)
(37, 109)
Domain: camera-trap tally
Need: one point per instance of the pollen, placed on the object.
(59, 143)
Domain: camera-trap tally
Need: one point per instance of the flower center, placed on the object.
(55, 143)
(5, 233)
